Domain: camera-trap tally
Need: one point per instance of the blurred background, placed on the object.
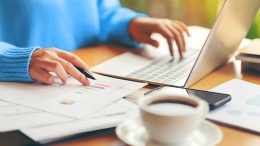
(192, 12)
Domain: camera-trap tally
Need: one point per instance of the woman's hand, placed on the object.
(141, 29)
(60, 62)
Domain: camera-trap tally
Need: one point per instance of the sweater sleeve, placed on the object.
(114, 21)
(14, 63)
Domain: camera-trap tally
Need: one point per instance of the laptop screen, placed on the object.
(231, 26)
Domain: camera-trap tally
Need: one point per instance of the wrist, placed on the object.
(131, 28)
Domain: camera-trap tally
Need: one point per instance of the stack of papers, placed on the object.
(107, 117)
(243, 110)
(251, 52)
(13, 117)
(65, 109)
(250, 55)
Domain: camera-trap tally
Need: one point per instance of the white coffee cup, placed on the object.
(171, 119)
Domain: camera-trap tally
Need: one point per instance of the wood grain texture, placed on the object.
(232, 136)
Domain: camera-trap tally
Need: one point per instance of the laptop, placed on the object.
(206, 50)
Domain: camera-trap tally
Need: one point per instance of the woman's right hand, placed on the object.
(62, 63)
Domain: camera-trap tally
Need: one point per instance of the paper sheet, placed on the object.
(13, 117)
(107, 117)
(70, 99)
(244, 108)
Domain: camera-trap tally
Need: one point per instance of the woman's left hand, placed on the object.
(141, 29)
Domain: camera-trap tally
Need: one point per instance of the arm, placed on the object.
(114, 22)
(122, 26)
(14, 63)
(32, 63)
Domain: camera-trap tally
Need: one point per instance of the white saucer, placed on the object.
(133, 133)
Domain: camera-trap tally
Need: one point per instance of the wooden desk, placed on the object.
(232, 136)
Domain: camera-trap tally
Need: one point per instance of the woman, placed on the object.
(32, 30)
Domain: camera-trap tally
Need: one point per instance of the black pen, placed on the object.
(87, 75)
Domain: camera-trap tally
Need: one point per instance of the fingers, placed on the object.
(152, 42)
(170, 43)
(142, 28)
(74, 59)
(48, 60)
(179, 33)
(173, 30)
(166, 32)
(53, 66)
(183, 26)
(179, 39)
(41, 75)
(146, 38)
(72, 71)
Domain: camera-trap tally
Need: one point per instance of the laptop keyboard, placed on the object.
(165, 71)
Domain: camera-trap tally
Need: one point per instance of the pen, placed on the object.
(87, 75)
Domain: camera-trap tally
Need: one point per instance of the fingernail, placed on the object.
(50, 80)
(156, 44)
(86, 83)
(65, 79)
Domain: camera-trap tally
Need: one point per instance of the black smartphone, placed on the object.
(16, 138)
(214, 99)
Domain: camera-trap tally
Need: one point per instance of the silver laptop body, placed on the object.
(207, 50)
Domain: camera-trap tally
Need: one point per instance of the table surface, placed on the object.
(232, 136)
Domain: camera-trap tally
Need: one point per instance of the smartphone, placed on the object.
(16, 138)
(214, 99)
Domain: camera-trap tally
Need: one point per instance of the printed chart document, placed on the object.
(71, 99)
(106, 117)
(244, 108)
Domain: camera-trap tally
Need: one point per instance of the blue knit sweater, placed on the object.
(26, 25)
